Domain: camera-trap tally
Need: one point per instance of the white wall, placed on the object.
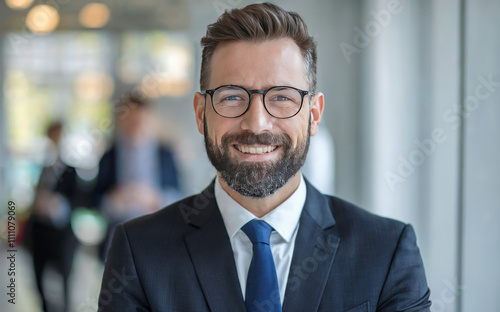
(481, 196)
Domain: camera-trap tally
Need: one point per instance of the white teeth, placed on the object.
(255, 150)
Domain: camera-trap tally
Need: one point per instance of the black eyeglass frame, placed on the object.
(211, 92)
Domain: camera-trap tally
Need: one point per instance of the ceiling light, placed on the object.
(42, 19)
(18, 4)
(94, 15)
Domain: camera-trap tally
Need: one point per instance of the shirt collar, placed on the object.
(283, 219)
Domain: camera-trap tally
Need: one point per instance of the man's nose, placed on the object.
(256, 119)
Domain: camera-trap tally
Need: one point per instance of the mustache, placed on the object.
(249, 138)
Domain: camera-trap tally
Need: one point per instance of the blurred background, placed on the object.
(411, 126)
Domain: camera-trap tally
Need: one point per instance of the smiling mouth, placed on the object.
(245, 149)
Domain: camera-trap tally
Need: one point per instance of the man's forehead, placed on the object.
(266, 47)
(277, 59)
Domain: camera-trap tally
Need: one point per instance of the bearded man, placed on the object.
(260, 237)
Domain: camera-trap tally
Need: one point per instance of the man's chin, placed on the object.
(259, 166)
(256, 189)
(256, 180)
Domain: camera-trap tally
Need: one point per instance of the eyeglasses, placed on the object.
(280, 102)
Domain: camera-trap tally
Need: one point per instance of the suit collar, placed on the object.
(211, 253)
(315, 248)
(201, 209)
(318, 207)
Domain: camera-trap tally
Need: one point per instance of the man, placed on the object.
(137, 175)
(260, 237)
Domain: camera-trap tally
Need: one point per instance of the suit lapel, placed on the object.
(213, 258)
(314, 252)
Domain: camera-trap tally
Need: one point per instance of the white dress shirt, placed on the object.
(284, 219)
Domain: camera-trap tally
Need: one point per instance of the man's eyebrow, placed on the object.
(267, 87)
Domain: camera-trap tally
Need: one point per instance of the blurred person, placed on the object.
(261, 237)
(49, 228)
(138, 174)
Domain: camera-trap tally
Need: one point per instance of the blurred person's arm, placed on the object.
(106, 177)
(126, 201)
(55, 195)
(51, 207)
(169, 196)
(171, 191)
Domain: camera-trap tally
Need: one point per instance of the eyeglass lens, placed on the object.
(281, 102)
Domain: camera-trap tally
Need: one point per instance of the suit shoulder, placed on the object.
(173, 218)
(352, 218)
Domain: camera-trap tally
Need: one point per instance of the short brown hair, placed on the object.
(256, 23)
(129, 101)
(134, 98)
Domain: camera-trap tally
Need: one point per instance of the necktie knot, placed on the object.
(257, 231)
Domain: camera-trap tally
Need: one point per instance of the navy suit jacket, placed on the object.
(345, 259)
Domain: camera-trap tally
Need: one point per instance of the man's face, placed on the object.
(256, 154)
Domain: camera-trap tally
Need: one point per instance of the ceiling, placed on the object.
(125, 15)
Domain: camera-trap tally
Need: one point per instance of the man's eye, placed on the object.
(280, 98)
(232, 98)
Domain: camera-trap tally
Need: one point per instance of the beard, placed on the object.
(256, 179)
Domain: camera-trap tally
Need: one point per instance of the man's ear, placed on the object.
(199, 110)
(317, 106)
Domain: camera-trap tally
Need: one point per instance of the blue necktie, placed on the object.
(262, 292)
